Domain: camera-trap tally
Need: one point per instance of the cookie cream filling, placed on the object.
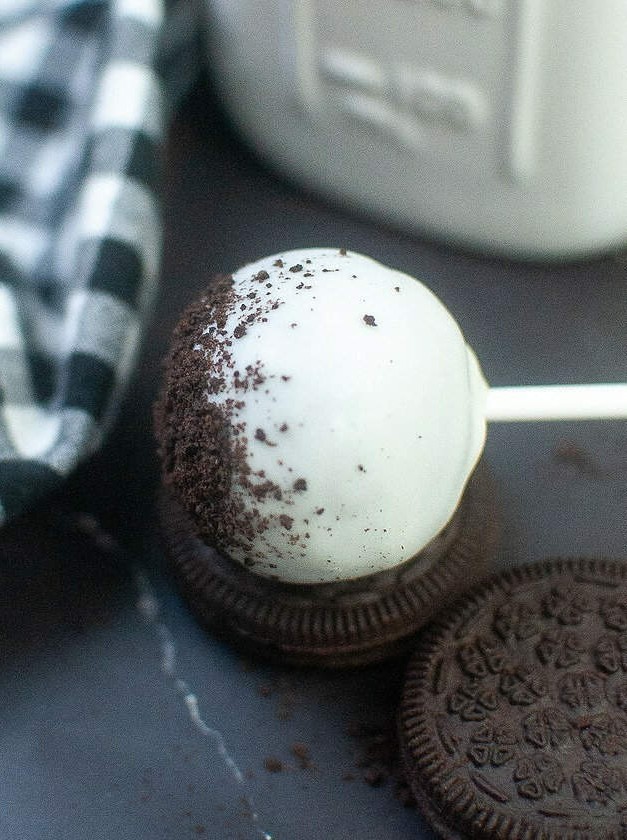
(353, 413)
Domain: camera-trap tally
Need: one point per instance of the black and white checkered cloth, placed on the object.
(86, 90)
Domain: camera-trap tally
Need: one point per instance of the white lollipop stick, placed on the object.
(557, 402)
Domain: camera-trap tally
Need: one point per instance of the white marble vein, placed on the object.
(149, 608)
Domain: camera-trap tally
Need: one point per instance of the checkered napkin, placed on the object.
(86, 90)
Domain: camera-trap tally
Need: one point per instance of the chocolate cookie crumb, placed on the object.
(286, 521)
(301, 752)
(296, 268)
(370, 321)
(300, 484)
(273, 764)
(379, 758)
(570, 454)
(375, 778)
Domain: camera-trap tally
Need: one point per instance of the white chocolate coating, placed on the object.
(367, 413)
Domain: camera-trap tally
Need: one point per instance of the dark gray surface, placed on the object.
(96, 738)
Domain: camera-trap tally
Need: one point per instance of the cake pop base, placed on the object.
(340, 624)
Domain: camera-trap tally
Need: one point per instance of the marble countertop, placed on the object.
(119, 716)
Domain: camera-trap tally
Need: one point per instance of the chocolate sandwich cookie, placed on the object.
(320, 428)
(513, 720)
(336, 624)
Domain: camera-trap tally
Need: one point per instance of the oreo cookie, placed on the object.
(338, 624)
(513, 719)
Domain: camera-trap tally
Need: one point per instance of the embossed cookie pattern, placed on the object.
(525, 727)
